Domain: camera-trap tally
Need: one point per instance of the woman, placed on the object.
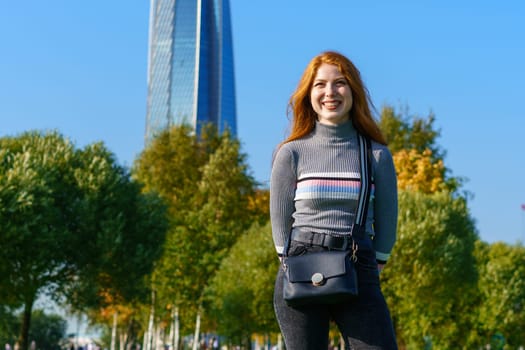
(312, 191)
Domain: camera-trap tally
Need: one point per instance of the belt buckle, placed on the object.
(345, 242)
(335, 242)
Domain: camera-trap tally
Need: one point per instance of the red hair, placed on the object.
(304, 116)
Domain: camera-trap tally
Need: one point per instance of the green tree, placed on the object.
(502, 292)
(66, 218)
(38, 217)
(47, 330)
(130, 229)
(404, 131)
(241, 293)
(126, 229)
(432, 275)
(8, 325)
(418, 157)
(207, 185)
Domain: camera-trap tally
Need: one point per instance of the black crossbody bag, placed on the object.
(329, 276)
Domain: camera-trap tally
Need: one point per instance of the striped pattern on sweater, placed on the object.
(329, 186)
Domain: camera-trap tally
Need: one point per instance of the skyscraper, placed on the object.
(190, 66)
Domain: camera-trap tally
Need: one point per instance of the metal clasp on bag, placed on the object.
(317, 279)
(283, 263)
(355, 247)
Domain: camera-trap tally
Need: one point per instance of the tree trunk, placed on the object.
(197, 331)
(174, 331)
(149, 338)
(171, 334)
(123, 339)
(145, 340)
(248, 340)
(114, 331)
(26, 323)
(159, 337)
(129, 337)
(177, 329)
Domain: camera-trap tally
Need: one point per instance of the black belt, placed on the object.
(322, 239)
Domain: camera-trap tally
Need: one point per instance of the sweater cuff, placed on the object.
(382, 257)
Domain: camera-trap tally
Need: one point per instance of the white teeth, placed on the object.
(331, 104)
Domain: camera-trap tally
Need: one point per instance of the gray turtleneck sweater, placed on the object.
(315, 185)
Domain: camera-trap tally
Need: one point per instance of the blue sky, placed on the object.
(80, 67)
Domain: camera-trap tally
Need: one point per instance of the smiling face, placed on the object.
(331, 96)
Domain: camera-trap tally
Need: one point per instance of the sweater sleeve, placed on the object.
(385, 203)
(282, 192)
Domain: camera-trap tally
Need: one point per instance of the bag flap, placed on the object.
(329, 263)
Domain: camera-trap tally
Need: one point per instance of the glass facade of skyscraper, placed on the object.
(190, 66)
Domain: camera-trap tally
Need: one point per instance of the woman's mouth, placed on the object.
(331, 104)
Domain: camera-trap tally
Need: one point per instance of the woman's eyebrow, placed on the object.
(326, 79)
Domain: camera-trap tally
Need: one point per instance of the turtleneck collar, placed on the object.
(340, 131)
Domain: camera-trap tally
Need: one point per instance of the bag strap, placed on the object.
(365, 168)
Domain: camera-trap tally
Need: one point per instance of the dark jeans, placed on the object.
(364, 322)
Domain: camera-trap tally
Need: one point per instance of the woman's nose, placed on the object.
(330, 90)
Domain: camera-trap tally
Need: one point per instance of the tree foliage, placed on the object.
(417, 172)
(432, 272)
(241, 293)
(259, 204)
(431, 284)
(9, 325)
(419, 160)
(72, 223)
(404, 132)
(39, 215)
(206, 182)
(47, 330)
(502, 292)
(125, 234)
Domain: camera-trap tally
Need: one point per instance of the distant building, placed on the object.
(190, 66)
